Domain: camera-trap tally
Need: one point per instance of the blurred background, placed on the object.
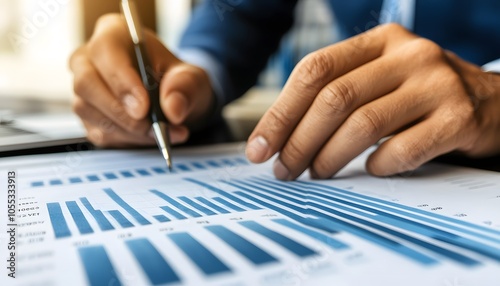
(38, 36)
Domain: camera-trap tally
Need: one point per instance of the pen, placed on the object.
(158, 120)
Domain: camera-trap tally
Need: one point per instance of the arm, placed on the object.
(239, 36)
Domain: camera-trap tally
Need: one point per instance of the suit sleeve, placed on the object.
(236, 38)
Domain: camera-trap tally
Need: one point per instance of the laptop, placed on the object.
(39, 130)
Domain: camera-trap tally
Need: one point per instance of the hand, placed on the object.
(344, 98)
(111, 99)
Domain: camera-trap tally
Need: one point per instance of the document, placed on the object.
(121, 218)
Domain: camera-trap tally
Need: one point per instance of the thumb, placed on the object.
(186, 94)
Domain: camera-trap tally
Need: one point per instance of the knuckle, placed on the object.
(366, 123)
(95, 136)
(451, 80)
(84, 80)
(79, 107)
(425, 50)
(337, 98)
(109, 20)
(314, 69)
(407, 155)
(458, 117)
(293, 152)
(277, 120)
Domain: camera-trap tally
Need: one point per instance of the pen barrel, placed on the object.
(150, 82)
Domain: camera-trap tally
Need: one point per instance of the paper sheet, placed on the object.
(119, 218)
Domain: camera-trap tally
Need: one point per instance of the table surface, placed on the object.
(229, 129)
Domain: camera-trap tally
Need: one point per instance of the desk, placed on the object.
(239, 119)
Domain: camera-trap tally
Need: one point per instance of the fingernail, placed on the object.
(280, 171)
(257, 149)
(131, 105)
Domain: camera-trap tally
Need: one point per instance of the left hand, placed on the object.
(344, 98)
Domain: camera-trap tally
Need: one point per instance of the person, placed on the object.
(425, 90)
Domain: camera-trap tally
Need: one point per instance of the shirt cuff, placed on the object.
(216, 72)
(493, 66)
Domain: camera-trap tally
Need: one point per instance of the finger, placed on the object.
(369, 124)
(334, 103)
(413, 147)
(310, 76)
(91, 90)
(104, 133)
(185, 94)
(110, 50)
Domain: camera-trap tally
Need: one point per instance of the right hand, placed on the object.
(111, 99)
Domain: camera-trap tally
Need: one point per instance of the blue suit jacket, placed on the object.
(242, 34)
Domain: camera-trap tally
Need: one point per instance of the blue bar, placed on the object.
(110, 176)
(135, 214)
(199, 254)
(182, 167)
(242, 161)
(55, 182)
(227, 162)
(172, 212)
(212, 205)
(228, 204)
(197, 206)
(370, 202)
(37, 184)
(252, 252)
(387, 203)
(339, 225)
(101, 220)
(442, 251)
(120, 218)
(127, 174)
(159, 170)
(272, 206)
(98, 267)
(161, 218)
(176, 204)
(327, 223)
(143, 172)
(93, 178)
(152, 262)
(214, 164)
(409, 225)
(198, 165)
(59, 224)
(80, 220)
(286, 242)
(75, 180)
(326, 239)
(413, 226)
(223, 193)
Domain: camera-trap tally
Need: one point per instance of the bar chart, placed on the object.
(222, 221)
(314, 210)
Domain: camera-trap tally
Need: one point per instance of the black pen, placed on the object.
(159, 122)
